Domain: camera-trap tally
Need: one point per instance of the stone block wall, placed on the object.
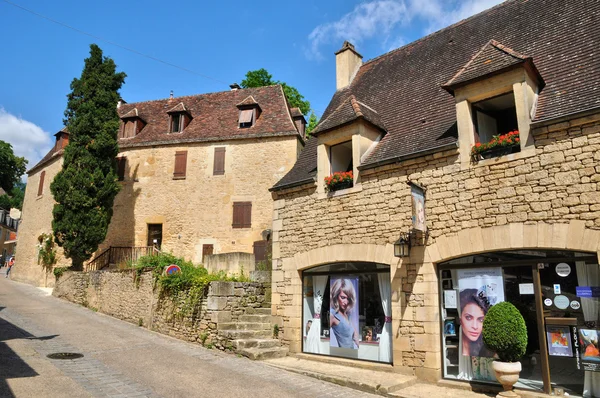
(231, 263)
(134, 299)
(492, 205)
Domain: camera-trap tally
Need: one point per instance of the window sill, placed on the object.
(341, 192)
(525, 153)
(39, 197)
(179, 178)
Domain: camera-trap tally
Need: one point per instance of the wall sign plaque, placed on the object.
(563, 269)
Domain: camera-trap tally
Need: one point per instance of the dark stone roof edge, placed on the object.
(294, 184)
(354, 120)
(396, 159)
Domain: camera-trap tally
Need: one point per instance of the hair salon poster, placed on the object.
(344, 312)
(590, 354)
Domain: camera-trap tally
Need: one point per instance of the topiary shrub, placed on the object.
(504, 332)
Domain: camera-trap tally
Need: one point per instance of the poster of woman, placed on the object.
(344, 312)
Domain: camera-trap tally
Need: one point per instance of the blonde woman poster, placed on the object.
(343, 314)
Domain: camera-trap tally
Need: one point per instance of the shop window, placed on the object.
(347, 311)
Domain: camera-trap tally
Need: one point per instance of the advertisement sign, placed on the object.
(588, 345)
(559, 341)
(343, 316)
(418, 208)
(479, 289)
(587, 291)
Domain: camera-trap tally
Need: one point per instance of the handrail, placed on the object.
(119, 255)
(99, 262)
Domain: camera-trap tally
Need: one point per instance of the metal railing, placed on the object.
(119, 255)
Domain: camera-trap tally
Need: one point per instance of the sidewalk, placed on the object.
(377, 381)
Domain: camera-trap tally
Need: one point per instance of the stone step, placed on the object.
(259, 311)
(255, 343)
(263, 353)
(255, 318)
(244, 326)
(246, 334)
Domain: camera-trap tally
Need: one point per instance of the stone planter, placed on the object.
(496, 152)
(340, 185)
(507, 374)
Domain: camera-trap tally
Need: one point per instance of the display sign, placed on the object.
(561, 302)
(450, 299)
(559, 341)
(563, 269)
(556, 288)
(418, 208)
(526, 288)
(588, 344)
(587, 291)
(344, 312)
(172, 269)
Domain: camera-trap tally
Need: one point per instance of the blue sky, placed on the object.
(295, 42)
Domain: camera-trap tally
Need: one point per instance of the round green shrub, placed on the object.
(504, 332)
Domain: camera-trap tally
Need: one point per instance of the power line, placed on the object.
(113, 43)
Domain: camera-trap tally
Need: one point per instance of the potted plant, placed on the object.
(499, 145)
(339, 180)
(505, 333)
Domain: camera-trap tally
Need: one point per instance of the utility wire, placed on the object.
(113, 43)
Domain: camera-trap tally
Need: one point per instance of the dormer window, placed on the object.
(131, 124)
(496, 94)
(249, 112)
(179, 118)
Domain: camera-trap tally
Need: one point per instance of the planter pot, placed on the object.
(341, 185)
(496, 152)
(507, 374)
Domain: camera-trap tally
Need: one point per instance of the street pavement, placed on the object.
(121, 359)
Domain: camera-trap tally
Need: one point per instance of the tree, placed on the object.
(312, 123)
(85, 188)
(261, 77)
(15, 198)
(11, 167)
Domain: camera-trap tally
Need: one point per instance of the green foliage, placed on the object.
(261, 77)
(47, 254)
(140, 322)
(15, 198)
(275, 331)
(59, 271)
(86, 186)
(505, 332)
(11, 167)
(312, 123)
(203, 337)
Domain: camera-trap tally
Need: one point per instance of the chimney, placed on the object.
(234, 86)
(347, 63)
(171, 95)
(121, 103)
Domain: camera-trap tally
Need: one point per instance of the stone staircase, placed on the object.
(252, 335)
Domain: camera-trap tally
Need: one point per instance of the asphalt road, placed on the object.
(121, 359)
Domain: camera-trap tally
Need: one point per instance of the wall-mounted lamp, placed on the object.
(402, 245)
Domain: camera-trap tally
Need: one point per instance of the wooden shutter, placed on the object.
(180, 164)
(242, 214)
(207, 250)
(260, 250)
(121, 164)
(219, 163)
(41, 185)
(129, 129)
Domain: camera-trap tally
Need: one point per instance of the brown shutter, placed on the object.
(219, 163)
(129, 129)
(247, 215)
(180, 164)
(237, 215)
(207, 250)
(41, 186)
(121, 164)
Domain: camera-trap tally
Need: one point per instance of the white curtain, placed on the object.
(313, 338)
(385, 291)
(589, 275)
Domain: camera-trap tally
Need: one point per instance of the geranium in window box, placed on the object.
(339, 180)
(499, 145)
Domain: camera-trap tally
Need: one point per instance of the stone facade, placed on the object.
(126, 296)
(548, 197)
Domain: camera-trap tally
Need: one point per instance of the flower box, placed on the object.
(499, 145)
(339, 180)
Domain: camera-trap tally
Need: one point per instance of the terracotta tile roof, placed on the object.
(350, 110)
(214, 117)
(492, 58)
(296, 112)
(405, 85)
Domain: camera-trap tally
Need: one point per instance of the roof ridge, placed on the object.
(508, 50)
(469, 62)
(355, 106)
(336, 109)
(427, 37)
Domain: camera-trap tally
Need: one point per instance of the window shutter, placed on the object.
(237, 215)
(129, 129)
(121, 164)
(219, 163)
(247, 215)
(41, 186)
(180, 164)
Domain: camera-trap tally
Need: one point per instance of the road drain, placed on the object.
(65, 355)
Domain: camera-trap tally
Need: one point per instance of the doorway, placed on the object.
(155, 235)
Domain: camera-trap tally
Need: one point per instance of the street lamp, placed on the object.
(402, 246)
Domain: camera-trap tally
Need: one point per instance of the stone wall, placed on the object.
(500, 199)
(36, 220)
(230, 263)
(126, 296)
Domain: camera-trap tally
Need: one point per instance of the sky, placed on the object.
(210, 44)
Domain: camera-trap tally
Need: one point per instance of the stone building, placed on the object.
(474, 155)
(8, 234)
(195, 173)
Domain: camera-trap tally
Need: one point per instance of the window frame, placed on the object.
(246, 218)
(245, 125)
(180, 118)
(41, 183)
(181, 172)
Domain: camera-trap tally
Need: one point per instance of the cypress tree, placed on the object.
(85, 188)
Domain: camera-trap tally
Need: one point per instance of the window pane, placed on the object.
(341, 157)
(175, 128)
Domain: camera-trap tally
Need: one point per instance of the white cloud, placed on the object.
(379, 18)
(27, 139)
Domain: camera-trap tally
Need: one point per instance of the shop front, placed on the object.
(558, 294)
(347, 311)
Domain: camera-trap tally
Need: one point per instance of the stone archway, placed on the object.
(572, 236)
(382, 254)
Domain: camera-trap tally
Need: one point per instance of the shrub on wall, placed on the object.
(504, 332)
